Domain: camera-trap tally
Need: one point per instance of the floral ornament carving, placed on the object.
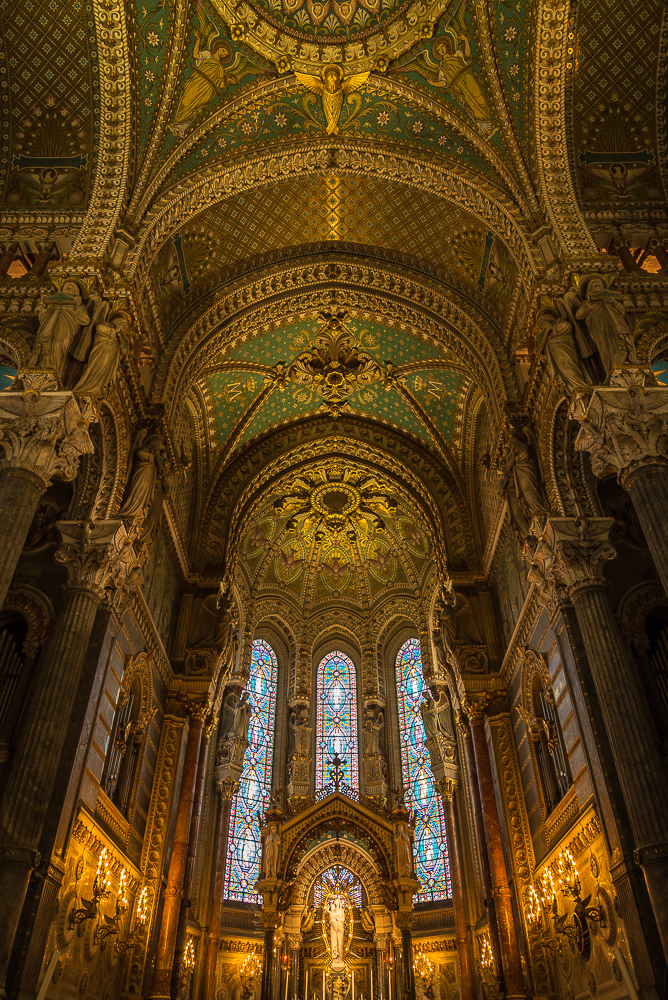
(98, 556)
(571, 553)
(44, 433)
(333, 368)
(334, 498)
(623, 429)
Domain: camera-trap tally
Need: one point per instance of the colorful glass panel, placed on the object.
(336, 730)
(430, 848)
(338, 878)
(245, 852)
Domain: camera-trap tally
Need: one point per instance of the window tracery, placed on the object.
(245, 851)
(430, 847)
(336, 725)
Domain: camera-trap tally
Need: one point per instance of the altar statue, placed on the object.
(337, 926)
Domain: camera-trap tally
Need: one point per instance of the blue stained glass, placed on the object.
(336, 730)
(338, 878)
(244, 851)
(431, 850)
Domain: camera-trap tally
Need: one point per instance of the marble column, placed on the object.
(42, 437)
(266, 986)
(404, 922)
(382, 943)
(189, 876)
(164, 961)
(625, 431)
(98, 558)
(569, 559)
(295, 944)
(227, 789)
(510, 952)
(483, 853)
(448, 789)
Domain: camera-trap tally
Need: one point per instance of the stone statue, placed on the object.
(216, 622)
(61, 316)
(430, 718)
(561, 352)
(149, 456)
(242, 714)
(373, 725)
(521, 483)
(272, 849)
(402, 843)
(104, 358)
(603, 312)
(302, 731)
(337, 927)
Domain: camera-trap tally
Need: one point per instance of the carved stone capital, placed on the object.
(98, 556)
(623, 428)
(227, 788)
(475, 706)
(570, 554)
(44, 433)
(448, 787)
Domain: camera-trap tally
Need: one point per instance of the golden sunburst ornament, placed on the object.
(335, 498)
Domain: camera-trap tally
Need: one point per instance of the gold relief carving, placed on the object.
(95, 841)
(350, 857)
(551, 151)
(158, 817)
(245, 947)
(108, 814)
(562, 818)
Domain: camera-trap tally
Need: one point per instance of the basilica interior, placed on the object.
(333, 500)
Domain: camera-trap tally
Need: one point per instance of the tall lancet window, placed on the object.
(431, 851)
(244, 853)
(336, 731)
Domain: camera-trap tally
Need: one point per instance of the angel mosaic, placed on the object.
(217, 66)
(333, 87)
(447, 64)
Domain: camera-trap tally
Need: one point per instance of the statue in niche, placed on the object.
(149, 458)
(521, 484)
(337, 925)
(603, 312)
(436, 715)
(561, 352)
(272, 849)
(241, 720)
(299, 724)
(402, 843)
(216, 622)
(373, 726)
(61, 317)
(104, 358)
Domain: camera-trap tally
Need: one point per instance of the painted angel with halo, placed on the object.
(332, 88)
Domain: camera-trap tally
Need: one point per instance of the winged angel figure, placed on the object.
(332, 88)
(217, 65)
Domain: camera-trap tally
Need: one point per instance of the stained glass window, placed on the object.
(336, 720)
(245, 853)
(431, 851)
(338, 878)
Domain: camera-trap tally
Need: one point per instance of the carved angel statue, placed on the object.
(332, 88)
(61, 317)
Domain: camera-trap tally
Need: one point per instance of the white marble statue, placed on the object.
(337, 927)
(402, 843)
(61, 316)
(272, 849)
(103, 360)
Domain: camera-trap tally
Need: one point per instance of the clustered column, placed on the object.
(509, 948)
(226, 789)
(164, 962)
(569, 558)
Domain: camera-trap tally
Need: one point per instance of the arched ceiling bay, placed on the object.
(334, 208)
(343, 366)
(335, 531)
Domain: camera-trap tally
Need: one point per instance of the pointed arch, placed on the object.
(245, 851)
(431, 850)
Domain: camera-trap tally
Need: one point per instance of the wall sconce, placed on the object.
(486, 955)
(101, 885)
(189, 955)
(569, 884)
(112, 924)
(141, 916)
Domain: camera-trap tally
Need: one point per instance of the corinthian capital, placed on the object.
(98, 556)
(44, 433)
(571, 552)
(623, 428)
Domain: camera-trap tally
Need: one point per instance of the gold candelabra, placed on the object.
(141, 916)
(250, 972)
(423, 968)
(112, 925)
(89, 908)
(543, 903)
